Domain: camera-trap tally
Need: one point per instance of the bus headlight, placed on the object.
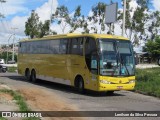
(131, 81)
(104, 82)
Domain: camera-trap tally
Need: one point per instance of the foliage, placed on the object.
(154, 24)
(135, 23)
(2, 1)
(35, 28)
(3, 55)
(77, 20)
(148, 81)
(11, 69)
(141, 24)
(31, 26)
(98, 17)
(63, 18)
(153, 47)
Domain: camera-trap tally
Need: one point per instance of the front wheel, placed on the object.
(159, 61)
(80, 85)
(110, 92)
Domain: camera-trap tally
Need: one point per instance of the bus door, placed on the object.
(91, 60)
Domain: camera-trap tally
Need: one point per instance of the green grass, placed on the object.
(1, 118)
(19, 101)
(11, 69)
(148, 81)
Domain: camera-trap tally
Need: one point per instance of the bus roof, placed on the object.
(70, 35)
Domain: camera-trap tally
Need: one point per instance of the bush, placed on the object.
(11, 69)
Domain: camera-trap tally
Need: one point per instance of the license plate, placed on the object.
(119, 87)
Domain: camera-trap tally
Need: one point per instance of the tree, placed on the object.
(61, 17)
(31, 26)
(77, 20)
(135, 24)
(66, 20)
(154, 24)
(35, 28)
(153, 47)
(44, 28)
(98, 17)
(3, 55)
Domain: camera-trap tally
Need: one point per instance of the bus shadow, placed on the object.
(70, 89)
(61, 87)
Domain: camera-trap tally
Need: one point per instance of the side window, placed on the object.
(91, 55)
(20, 48)
(76, 46)
(90, 45)
(63, 46)
(54, 46)
(23, 47)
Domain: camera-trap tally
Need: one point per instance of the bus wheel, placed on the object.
(159, 61)
(33, 76)
(27, 75)
(110, 92)
(80, 85)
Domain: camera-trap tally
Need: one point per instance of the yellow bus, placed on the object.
(96, 62)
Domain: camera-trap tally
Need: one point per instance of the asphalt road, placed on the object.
(120, 101)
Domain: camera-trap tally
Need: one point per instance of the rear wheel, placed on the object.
(27, 75)
(33, 76)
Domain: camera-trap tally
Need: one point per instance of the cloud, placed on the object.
(156, 4)
(19, 23)
(44, 12)
(12, 7)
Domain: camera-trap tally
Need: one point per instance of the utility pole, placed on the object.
(13, 43)
(110, 24)
(8, 47)
(50, 17)
(124, 16)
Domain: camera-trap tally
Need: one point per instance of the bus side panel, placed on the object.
(75, 66)
(46, 65)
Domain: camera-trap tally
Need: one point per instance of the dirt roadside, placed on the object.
(37, 100)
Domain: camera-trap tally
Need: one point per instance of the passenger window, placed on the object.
(63, 46)
(76, 46)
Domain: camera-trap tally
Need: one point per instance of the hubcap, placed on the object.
(80, 85)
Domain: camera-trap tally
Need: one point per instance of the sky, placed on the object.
(16, 13)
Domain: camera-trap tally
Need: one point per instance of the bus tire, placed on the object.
(27, 75)
(33, 76)
(158, 61)
(80, 84)
(110, 92)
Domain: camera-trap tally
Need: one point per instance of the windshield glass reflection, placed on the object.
(116, 58)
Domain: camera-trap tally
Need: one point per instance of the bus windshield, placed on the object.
(116, 58)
